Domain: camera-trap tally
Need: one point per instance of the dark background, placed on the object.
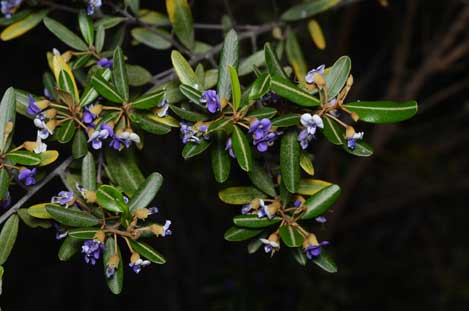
(399, 233)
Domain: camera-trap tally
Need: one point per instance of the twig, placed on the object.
(57, 171)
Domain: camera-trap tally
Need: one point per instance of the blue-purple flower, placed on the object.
(27, 176)
(309, 78)
(253, 205)
(190, 134)
(211, 100)
(321, 219)
(312, 247)
(6, 201)
(8, 7)
(93, 5)
(90, 113)
(297, 203)
(105, 63)
(64, 198)
(138, 264)
(92, 250)
(99, 135)
(43, 128)
(268, 211)
(229, 148)
(33, 109)
(160, 230)
(111, 266)
(60, 233)
(352, 141)
(266, 141)
(271, 244)
(259, 128)
(162, 109)
(311, 123)
(125, 138)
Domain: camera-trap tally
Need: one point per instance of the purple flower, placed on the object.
(229, 147)
(191, 135)
(309, 78)
(46, 93)
(138, 265)
(63, 198)
(311, 123)
(313, 251)
(162, 110)
(352, 141)
(321, 219)
(8, 7)
(270, 245)
(153, 210)
(33, 109)
(93, 5)
(6, 201)
(271, 98)
(99, 135)
(88, 115)
(40, 122)
(266, 141)
(166, 230)
(105, 63)
(249, 207)
(212, 101)
(27, 176)
(297, 203)
(122, 139)
(260, 128)
(92, 250)
(110, 271)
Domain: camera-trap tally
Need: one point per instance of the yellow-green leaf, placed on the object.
(23, 26)
(316, 34)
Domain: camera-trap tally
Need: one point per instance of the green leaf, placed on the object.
(147, 192)
(337, 76)
(153, 17)
(22, 102)
(255, 244)
(180, 15)
(300, 256)
(138, 76)
(291, 236)
(241, 149)
(70, 217)
(262, 179)
(83, 233)
(225, 124)
(155, 38)
(90, 94)
(7, 115)
(23, 26)
(229, 57)
(273, 64)
(325, 262)
(134, 5)
(184, 70)
(111, 199)
(320, 202)
(306, 163)
(81, 61)
(286, 120)
(147, 251)
(308, 9)
(240, 195)
(145, 122)
(119, 74)
(221, 163)
(293, 93)
(265, 112)
(105, 89)
(109, 22)
(65, 35)
(4, 183)
(8, 237)
(66, 131)
(188, 114)
(260, 87)
(253, 221)
(149, 100)
(333, 131)
(86, 27)
(255, 60)
(100, 38)
(235, 87)
(311, 186)
(32, 222)
(24, 157)
(192, 149)
(69, 247)
(192, 94)
(39, 211)
(124, 170)
(290, 161)
(383, 111)
(115, 282)
(361, 149)
(88, 172)
(237, 234)
(80, 145)
(295, 55)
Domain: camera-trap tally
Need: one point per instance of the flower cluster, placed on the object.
(211, 100)
(310, 123)
(92, 250)
(263, 134)
(8, 7)
(93, 5)
(193, 133)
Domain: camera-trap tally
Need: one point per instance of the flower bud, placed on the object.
(90, 196)
(255, 204)
(274, 237)
(51, 125)
(157, 229)
(8, 128)
(274, 207)
(51, 113)
(311, 239)
(349, 131)
(114, 261)
(67, 56)
(354, 116)
(43, 104)
(100, 236)
(141, 213)
(135, 256)
(319, 80)
(96, 109)
(223, 103)
(29, 145)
